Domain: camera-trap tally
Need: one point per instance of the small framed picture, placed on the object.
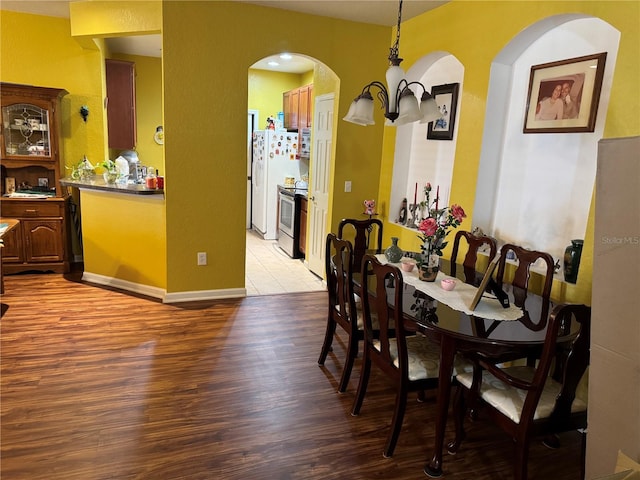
(563, 96)
(446, 96)
(43, 182)
(9, 185)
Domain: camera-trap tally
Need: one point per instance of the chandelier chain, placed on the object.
(394, 51)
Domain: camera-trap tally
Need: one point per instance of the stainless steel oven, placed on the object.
(289, 220)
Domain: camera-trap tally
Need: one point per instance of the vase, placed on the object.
(429, 270)
(572, 260)
(393, 252)
(110, 177)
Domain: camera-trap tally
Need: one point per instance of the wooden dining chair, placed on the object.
(367, 237)
(410, 361)
(528, 401)
(474, 245)
(524, 259)
(342, 310)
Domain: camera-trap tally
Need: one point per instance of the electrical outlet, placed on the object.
(347, 186)
(202, 258)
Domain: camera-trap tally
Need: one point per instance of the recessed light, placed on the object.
(286, 56)
(273, 64)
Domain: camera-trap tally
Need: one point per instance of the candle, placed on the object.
(415, 195)
(437, 195)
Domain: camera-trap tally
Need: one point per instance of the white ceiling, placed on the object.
(379, 12)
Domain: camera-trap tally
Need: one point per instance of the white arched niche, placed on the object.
(535, 189)
(418, 160)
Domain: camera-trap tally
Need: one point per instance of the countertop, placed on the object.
(98, 183)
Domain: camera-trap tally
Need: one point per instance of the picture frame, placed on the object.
(446, 96)
(576, 83)
(483, 284)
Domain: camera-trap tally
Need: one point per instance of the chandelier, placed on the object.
(398, 100)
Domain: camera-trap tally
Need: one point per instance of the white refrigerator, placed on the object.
(274, 158)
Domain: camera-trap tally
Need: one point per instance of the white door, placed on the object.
(318, 206)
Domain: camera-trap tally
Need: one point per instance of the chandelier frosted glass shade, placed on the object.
(398, 99)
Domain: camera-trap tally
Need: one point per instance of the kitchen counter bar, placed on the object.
(98, 183)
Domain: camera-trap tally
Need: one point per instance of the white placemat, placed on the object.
(460, 297)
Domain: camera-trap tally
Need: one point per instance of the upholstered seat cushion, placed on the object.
(510, 400)
(424, 358)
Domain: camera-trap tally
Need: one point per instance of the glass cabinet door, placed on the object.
(26, 130)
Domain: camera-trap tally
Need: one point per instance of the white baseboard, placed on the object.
(162, 294)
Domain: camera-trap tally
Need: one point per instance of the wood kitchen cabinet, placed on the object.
(121, 104)
(302, 239)
(31, 164)
(296, 105)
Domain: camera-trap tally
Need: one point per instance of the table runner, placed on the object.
(460, 297)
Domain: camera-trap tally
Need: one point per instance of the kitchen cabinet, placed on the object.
(121, 104)
(296, 105)
(302, 239)
(30, 148)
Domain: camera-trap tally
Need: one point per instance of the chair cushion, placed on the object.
(510, 400)
(424, 358)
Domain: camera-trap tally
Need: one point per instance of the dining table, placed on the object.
(490, 331)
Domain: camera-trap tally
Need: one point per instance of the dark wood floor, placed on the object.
(99, 384)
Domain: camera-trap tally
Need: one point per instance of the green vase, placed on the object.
(572, 256)
(393, 252)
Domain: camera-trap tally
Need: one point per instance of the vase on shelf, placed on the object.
(572, 260)
(110, 177)
(429, 270)
(393, 253)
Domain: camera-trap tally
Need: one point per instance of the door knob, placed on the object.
(312, 198)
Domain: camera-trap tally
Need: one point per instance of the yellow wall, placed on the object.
(124, 246)
(208, 214)
(461, 28)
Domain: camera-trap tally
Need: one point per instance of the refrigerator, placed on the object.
(275, 156)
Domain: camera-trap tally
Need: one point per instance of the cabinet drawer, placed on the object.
(32, 209)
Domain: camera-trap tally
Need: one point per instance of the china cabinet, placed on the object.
(31, 192)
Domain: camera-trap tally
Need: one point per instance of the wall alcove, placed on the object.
(535, 189)
(419, 160)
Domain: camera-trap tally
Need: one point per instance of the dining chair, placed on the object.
(367, 237)
(520, 283)
(343, 310)
(474, 244)
(410, 361)
(529, 401)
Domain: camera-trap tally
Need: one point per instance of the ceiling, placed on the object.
(379, 12)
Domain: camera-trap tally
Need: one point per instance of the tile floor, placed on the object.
(270, 271)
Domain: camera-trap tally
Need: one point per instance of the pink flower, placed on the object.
(428, 226)
(457, 212)
(427, 187)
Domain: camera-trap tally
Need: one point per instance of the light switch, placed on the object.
(347, 186)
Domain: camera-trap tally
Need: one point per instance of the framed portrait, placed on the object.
(563, 96)
(446, 96)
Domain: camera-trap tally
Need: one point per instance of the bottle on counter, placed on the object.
(159, 181)
(151, 179)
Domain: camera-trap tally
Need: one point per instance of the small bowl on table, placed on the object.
(448, 284)
(407, 264)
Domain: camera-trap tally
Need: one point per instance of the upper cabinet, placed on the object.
(297, 107)
(30, 142)
(121, 104)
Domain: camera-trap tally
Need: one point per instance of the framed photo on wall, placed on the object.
(446, 96)
(563, 96)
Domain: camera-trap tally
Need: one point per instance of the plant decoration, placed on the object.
(84, 112)
(110, 170)
(82, 170)
(434, 228)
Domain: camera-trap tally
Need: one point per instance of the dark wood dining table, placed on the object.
(490, 332)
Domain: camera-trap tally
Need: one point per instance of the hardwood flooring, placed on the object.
(98, 384)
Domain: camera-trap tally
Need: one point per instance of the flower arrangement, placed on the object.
(434, 228)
